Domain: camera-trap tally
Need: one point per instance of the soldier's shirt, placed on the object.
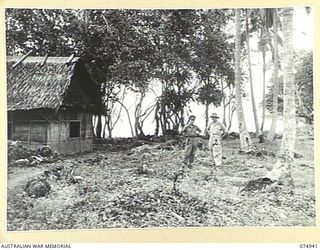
(191, 130)
(216, 128)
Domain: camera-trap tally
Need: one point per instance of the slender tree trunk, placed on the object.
(99, 126)
(224, 106)
(128, 115)
(157, 119)
(245, 140)
(272, 131)
(253, 101)
(207, 114)
(282, 169)
(138, 124)
(104, 127)
(163, 115)
(181, 120)
(230, 107)
(109, 125)
(263, 90)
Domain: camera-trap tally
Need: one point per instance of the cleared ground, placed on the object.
(134, 189)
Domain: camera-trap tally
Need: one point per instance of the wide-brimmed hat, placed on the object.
(214, 115)
(192, 117)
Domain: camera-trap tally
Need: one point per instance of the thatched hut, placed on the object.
(50, 101)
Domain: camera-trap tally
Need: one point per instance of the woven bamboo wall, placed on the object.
(35, 130)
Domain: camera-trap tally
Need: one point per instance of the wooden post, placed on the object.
(29, 132)
(59, 130)
(44, 60)
(70, 59)
(22, 59)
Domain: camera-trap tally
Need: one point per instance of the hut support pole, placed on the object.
(29, 129)
(59, 131)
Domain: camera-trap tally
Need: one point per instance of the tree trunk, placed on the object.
(245, 140)
(207, 114)
(163, 115)
(224, 105)
(104, 127)
(231, 107)
(128, 115)
(254, 108)
(99, 127)
(138, 112)
(157, 119)
(282, 169)
(263, 90)
(109, 126)
(272, 131)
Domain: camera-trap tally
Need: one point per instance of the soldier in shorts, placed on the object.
(216, 129)
(191, 132)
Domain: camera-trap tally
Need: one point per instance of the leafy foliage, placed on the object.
(304, 87)
(130, 48)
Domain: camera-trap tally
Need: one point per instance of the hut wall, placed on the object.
(72, 134)
(28, 127)
(66, 133)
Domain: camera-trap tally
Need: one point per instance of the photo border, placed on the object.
(205, 234)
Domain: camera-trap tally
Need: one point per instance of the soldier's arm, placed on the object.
(184, 129)
(223, 128)
(198, 129)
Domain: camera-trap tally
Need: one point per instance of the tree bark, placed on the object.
(253, 101)
(138, 112)
(99, 127)
(282, 169)
(157, 119)
(272, 132)
(207, 115)
(263, 90)
(224, 106)
(245, 140)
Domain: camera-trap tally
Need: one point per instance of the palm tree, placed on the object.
(266, 23)
(245, 140)
(282, 169)
(272, 131)
(254, 108)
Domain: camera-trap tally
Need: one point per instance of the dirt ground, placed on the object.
(133, 188)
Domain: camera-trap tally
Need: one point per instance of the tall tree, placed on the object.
(282, 168)
(272, 131)
(304, 87)
(245, 140)
(253, 102)
(212, 58)
(264, 40)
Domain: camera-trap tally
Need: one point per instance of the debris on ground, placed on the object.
(139, 184)
(37, 188)
(258, 184)
(20, 156)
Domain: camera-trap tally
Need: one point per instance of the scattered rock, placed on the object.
(297, 155)
(37, 188)
(77, 179)
(20, 163)
(45, 151)
(257, 184)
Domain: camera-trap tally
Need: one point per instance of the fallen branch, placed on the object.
(179, 217)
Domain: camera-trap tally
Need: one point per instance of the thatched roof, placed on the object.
(31, 85)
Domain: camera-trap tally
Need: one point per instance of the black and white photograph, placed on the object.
(159, 118)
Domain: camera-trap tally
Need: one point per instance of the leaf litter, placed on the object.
(125, 186)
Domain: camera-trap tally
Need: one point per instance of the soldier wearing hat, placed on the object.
(215, 130)
(191, 132)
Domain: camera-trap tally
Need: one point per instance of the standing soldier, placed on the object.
(215, 130)
(191, 132)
